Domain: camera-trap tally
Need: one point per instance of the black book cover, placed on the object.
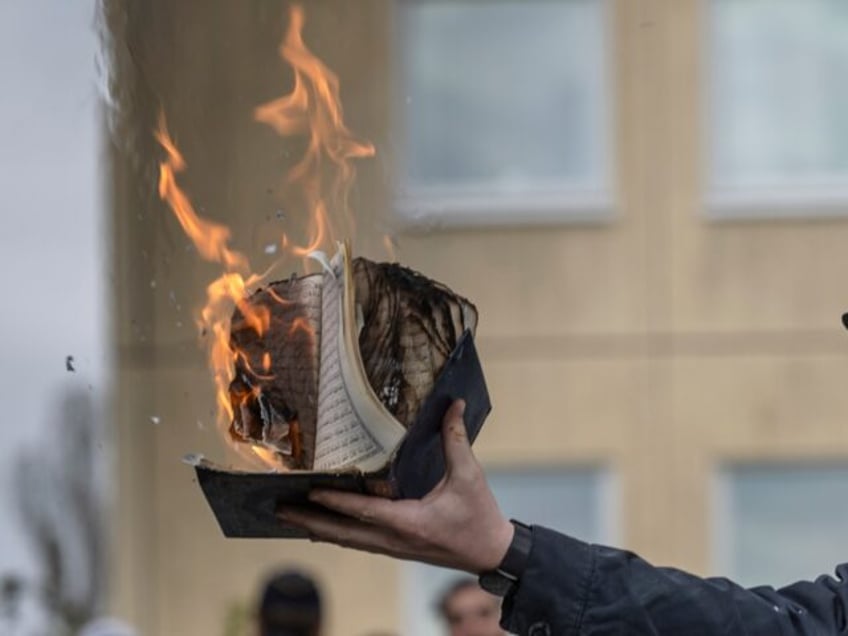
(244, 503)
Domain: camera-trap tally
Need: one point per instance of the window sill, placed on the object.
(427, 212)
(789, 203)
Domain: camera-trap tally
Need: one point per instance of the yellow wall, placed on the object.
(660, 343)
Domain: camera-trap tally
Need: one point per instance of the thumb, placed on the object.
(458, 456)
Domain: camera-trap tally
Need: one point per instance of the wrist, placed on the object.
(504, 578)
(501, 540)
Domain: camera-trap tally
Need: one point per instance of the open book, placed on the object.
(346, 383)
(348, 357)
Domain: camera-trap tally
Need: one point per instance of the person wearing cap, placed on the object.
(290, 606)
(553, 584)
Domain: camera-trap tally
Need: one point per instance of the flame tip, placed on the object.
(312, 108)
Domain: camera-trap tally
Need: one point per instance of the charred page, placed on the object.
(347, 360)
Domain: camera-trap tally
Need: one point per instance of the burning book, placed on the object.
(351, 353)
(338, 379)
(344, 388)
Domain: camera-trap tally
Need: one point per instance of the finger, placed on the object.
(342, 531)
(350, 533)
(374, 510)
(458, 456)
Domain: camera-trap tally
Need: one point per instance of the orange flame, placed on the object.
(324, 174)
(225, 293)
(209, 238)
(245, 361)
(265, 455)
(390, 247)
(300, 324)
(277, 298)
(314, 108)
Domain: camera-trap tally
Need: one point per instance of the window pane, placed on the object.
(503, 97)
(778, 95)
(577, 502)
(777, 525)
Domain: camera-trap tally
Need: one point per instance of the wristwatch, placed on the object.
(503, 579)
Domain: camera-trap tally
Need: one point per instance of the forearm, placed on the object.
(570, 587)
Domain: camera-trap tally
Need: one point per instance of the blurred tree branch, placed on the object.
(60, 503)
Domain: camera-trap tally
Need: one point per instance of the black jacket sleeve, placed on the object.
(573, 588)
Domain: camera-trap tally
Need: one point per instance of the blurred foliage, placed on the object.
(11, 593)
(61, 513)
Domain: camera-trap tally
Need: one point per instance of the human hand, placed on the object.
(457, 525)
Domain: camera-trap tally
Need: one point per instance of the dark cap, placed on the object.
(290, 606)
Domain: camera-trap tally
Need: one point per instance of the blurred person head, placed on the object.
(469, 610)
(107, 627)
(290, 606)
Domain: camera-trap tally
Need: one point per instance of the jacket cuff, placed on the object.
(551, 596)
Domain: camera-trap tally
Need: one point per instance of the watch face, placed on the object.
(495, 583)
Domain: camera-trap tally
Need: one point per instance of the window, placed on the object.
(779, 524)
(504, 110)
(578, 502)
(777, 104)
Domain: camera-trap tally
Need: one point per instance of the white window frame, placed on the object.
(721, 541)
(433, 208)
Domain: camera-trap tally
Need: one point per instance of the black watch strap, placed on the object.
(501, 580)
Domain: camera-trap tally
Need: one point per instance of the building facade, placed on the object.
(667, 329)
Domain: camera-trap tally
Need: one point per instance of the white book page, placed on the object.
(341, 440)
